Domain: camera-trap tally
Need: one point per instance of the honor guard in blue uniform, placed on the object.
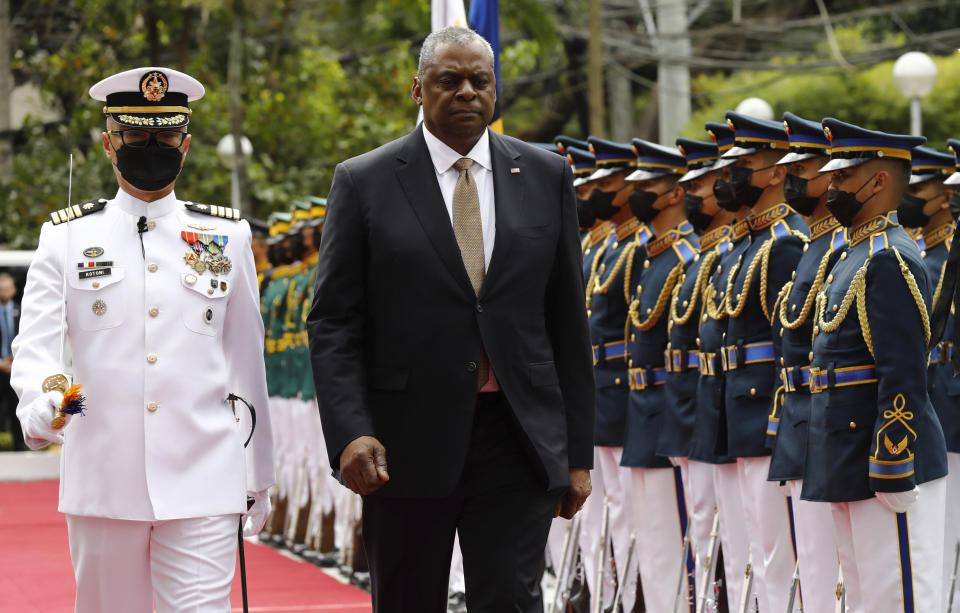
(728, 236)
(658, 500)
(926, 207)
(593, 231)
(614, 270)
(751, 351)
(682, 361)
(876, 451)
(805, 190)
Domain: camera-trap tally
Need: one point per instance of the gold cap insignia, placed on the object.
(154, 86)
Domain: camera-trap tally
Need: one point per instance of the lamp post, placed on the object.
(915, 73)
(227, 152)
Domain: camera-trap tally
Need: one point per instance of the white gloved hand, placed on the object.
(256, 517)
(898, 502)
(676, 460)
(37, 431)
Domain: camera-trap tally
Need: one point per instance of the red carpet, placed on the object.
(36, 575)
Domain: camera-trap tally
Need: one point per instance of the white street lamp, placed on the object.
(226, 149)
(755, 107)
(915, 73)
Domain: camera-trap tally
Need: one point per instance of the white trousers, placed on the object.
(892, 562)
(816, 552)
(767, 510)
(952, 531)
(658, 516)
(610, 479)
(701, 502)
(181, 565)
(733, 530)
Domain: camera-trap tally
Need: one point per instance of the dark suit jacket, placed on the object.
(396, 329)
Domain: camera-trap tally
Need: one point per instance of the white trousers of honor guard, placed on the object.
(610, 479)
(659, 511)
(179, 565)
(701, 502)
(819, 566)
(952, 529)
(733, 529)
(892, 561)
(766, 507)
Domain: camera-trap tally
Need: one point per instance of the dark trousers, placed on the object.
(501, 511)
(8, 413)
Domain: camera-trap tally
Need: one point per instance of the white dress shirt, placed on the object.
(444, 158)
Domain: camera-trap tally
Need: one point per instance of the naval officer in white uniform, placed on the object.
(162, 317)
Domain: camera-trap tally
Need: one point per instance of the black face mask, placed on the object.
(641, 205)
(795, 193)
(745, 193)
(910, 212)
(693, 208)
(602, 204)
(844, 205)
(585, 215)
(955, 205)
(151, 168)
(724, 193)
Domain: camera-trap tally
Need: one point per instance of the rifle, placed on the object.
(602, 556)
(710, 564)
(953, 579)
(793, 588)
(679, 598)
(624, 575)
(746, 595)
(565, 569)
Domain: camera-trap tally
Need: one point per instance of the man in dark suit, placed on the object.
(448, 337)
(9, 324)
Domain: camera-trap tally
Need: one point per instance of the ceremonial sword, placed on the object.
(250, 501)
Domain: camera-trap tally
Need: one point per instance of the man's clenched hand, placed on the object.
(573, 499)
(363, 465)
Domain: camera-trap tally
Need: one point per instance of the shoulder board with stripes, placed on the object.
(78, 210)
(685, 250)
(839, 240)
(878, 243)
(780, 229)
(214, 210)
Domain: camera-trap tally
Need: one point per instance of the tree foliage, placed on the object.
(324, 80)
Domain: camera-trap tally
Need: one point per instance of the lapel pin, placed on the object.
(514, 171)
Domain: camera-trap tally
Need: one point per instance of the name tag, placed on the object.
(95, 272)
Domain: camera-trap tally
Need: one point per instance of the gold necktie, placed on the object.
(468, 229)
(466, 223)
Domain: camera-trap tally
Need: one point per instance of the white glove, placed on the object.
(256, 517)
(676, 460)
(898, 502)
(37, 431)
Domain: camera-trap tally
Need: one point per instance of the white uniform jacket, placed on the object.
(157, 347)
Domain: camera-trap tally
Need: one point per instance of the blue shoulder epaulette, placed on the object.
(78, 210)
(878, 243)
(214, 210)
(839, 240)
(780, 229)
(684, 250)
(644, 235)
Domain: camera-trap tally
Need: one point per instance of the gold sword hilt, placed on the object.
(58, 382)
